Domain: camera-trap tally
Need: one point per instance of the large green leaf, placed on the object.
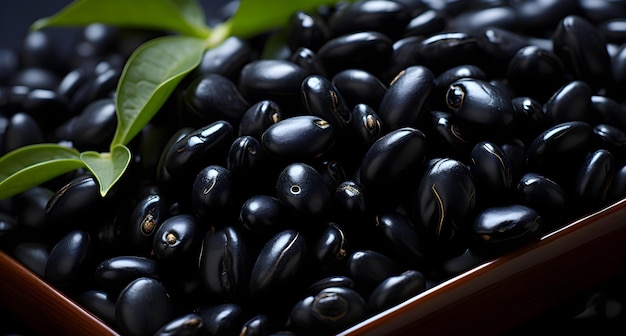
(32, 165)
(107, 168)
(149, 77)
(166, 15)
(254, 16)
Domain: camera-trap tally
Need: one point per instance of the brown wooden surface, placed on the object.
(41, 307)
(502, 294)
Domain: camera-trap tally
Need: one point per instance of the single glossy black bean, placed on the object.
(388, 17)
(214, 97)
(308, 60)
(212, 192)
(257, 325)
(259, 117)
(227, 58)
(298, 138)
(97, 86)
(143, 307)
(186, 325)
(38, 49)
(426, 23)
(117, 272)
(75, 200)
(367, 50)
(95, 125)
(163, 176)
(331, 281)
(359, 87)
(391, 160)
(277, 80)
(406, 97)
(262, 214)
(307, 30)
(330, 247)
(505, 227)
(248, 165)
(46, 106)
(322, 99)
(350, 199)
(445, 50)
(491, 170)
(327, 312)
(100, 303)
(481, 104)
(279, 262)
(571, 102)
(401, 237)
(67, 257)
(146, 217)
(395, 290)
(22, 130)
(559, 144)
(444, 198)
(594, 179)
(583, 50)
(32, 255)
(301, 190)
(544, 195)
(225, 263)
(198, 149)
(536, 72)
(178, 240)
(368, 268)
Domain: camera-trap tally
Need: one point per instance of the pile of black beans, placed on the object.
(304, 179)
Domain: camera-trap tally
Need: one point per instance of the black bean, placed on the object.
(117, 272)
(583, 50)
(212, 192)
(178, 240)
(226, 59)
(406, 97)
(185, 325)
(322, 99)
(368, 268)
(506, 227)
(67, 258)
(298, 138)
(359, 87)
(367, 50)
(396, 289)
(569, 103)
(327, 312)
(544, 195)
(143, 307)
(278, 264)
(100, 303)
(262, 214)
(214, 97)
(301, 190)
(536, 72)
(307, 30)
(225, 263)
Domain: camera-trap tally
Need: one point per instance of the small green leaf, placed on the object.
(164, 15)
(254, 16)
(149, 77)
(107, 168)
(32, 165)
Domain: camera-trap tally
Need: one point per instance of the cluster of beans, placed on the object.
(302, 180)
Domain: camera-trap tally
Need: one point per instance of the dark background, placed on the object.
(17, 15)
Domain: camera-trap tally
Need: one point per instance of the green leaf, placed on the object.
(254, 16)
(32, 165)
(107, 168)
(149, 77)
(166, 15)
